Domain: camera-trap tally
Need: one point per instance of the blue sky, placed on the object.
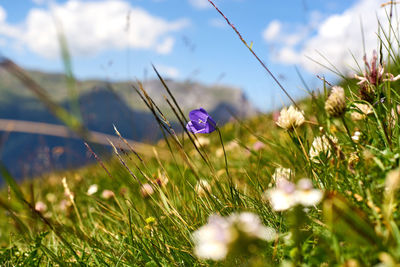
(187, 39)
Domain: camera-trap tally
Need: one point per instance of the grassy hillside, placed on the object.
(316, 184)
(145, 211)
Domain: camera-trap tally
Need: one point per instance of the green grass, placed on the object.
(355, 224)
(92, 230)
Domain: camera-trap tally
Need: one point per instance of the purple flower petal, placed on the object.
(190, 127)
(198, 114)
(195, 127)
(211, 124)
(200, 122)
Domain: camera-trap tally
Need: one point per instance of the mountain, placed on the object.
(102, 104)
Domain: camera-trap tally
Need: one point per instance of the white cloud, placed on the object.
(168, 71)
(166, 46)
(91, 27)
(3, 14)
(272, 31)
(200, 4)
(288, 55)
(336, 37)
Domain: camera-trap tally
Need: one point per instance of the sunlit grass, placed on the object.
(142, 210)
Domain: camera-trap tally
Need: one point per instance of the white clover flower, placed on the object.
(213, 240)
(321, 145)
(290, 118)
(286, 195)
(250, 224)
(202, 187)
(282, 197)
(361, 111)
(306, 195)
(335, 105)
(92, 189)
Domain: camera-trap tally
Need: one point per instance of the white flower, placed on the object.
(335, 105)
(40, 206)
(286, 195)
(356, 136)
(282, 197)
(290, 118)
(146, 190)
(321, 145)
(202, 187)
(213, 240)
(250, 224)
(107, 194)
(361, 111)
(92, 189)
(306, 195)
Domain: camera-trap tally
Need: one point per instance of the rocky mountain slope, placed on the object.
(102, 104)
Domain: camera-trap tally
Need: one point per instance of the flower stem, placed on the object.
(226, 163)
(349, 134)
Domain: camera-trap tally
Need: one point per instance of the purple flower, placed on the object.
(200, 122)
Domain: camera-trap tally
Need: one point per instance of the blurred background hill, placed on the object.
(102, 105)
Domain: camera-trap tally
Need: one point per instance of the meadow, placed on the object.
(314, 184)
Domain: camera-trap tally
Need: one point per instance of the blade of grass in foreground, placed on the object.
(254, 54)
(15, 188)
(71, 82)
(69, 120)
